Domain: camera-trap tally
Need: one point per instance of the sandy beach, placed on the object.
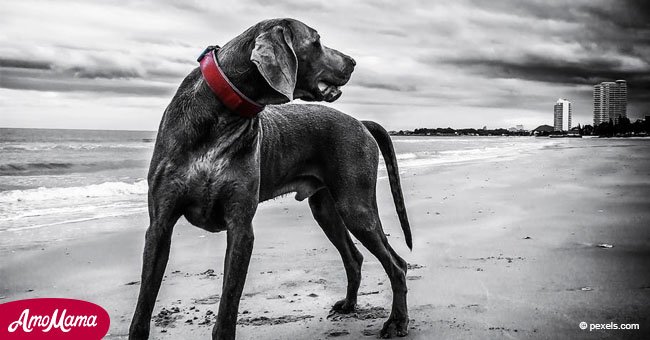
(511, 247)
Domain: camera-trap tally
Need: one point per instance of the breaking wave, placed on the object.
(50, 168)
(107, 189)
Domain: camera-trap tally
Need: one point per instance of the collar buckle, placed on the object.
(206, 51)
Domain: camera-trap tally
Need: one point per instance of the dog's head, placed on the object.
(295, 64)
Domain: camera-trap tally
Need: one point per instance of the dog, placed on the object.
(220, 152)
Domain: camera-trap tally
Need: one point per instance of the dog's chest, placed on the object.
(207, 178)
(223, 155)
(207, 166)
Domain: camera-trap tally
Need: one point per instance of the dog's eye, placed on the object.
(316, 41)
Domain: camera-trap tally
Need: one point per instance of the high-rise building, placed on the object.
(562, 115)
(610, 101)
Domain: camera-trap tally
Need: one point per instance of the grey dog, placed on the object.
(214, 167)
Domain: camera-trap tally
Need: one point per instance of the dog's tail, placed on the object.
(387, 151)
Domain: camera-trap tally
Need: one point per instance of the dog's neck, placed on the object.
(224, 90)
(212, 114)
(240, 71)
(216, 119)
(210, 121)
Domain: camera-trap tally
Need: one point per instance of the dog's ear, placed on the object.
(275, 59)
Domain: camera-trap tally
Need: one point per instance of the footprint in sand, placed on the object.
(263, 320)
(210, 300)
(167, 317)
(333, 334)
(411, 266)
(361, 313)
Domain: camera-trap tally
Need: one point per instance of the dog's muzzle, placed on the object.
(329, 92)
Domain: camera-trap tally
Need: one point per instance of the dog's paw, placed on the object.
(139, 333)
(344, 307)
(395, 327)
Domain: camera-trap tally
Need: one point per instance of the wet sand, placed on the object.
(502, 249)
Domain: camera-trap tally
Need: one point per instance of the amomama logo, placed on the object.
(52, 318)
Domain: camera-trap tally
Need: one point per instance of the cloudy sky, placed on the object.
(115, 64)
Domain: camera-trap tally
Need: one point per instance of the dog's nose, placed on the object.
(352, 61)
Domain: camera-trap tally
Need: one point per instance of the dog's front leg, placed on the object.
(156, 253)
(238, 255)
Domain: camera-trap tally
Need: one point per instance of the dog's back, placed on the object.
(303, 141)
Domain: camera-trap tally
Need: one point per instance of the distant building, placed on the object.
(516, 128)
(610, 101)
(562, 115)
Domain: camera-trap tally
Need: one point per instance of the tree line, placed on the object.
(620, 128)
(459, 132)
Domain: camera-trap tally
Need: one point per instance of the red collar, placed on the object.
(223, 88)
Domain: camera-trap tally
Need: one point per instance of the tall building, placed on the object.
(562, 115)
(610, 101)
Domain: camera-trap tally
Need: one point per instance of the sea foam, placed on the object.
(106, 189)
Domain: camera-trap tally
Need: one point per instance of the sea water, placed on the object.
(53, 179)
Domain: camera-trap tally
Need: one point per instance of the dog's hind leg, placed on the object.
(358, 208)
(156, 253)
(324, 211)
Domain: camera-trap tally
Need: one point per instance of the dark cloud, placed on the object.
(626, 14)
(20, 63)
(38, 80)
(91, 72)
(112, 73)
(96, 76)
(392, 32)
(539, 68)
(386, 86)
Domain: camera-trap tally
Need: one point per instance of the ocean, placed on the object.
(56, 178)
